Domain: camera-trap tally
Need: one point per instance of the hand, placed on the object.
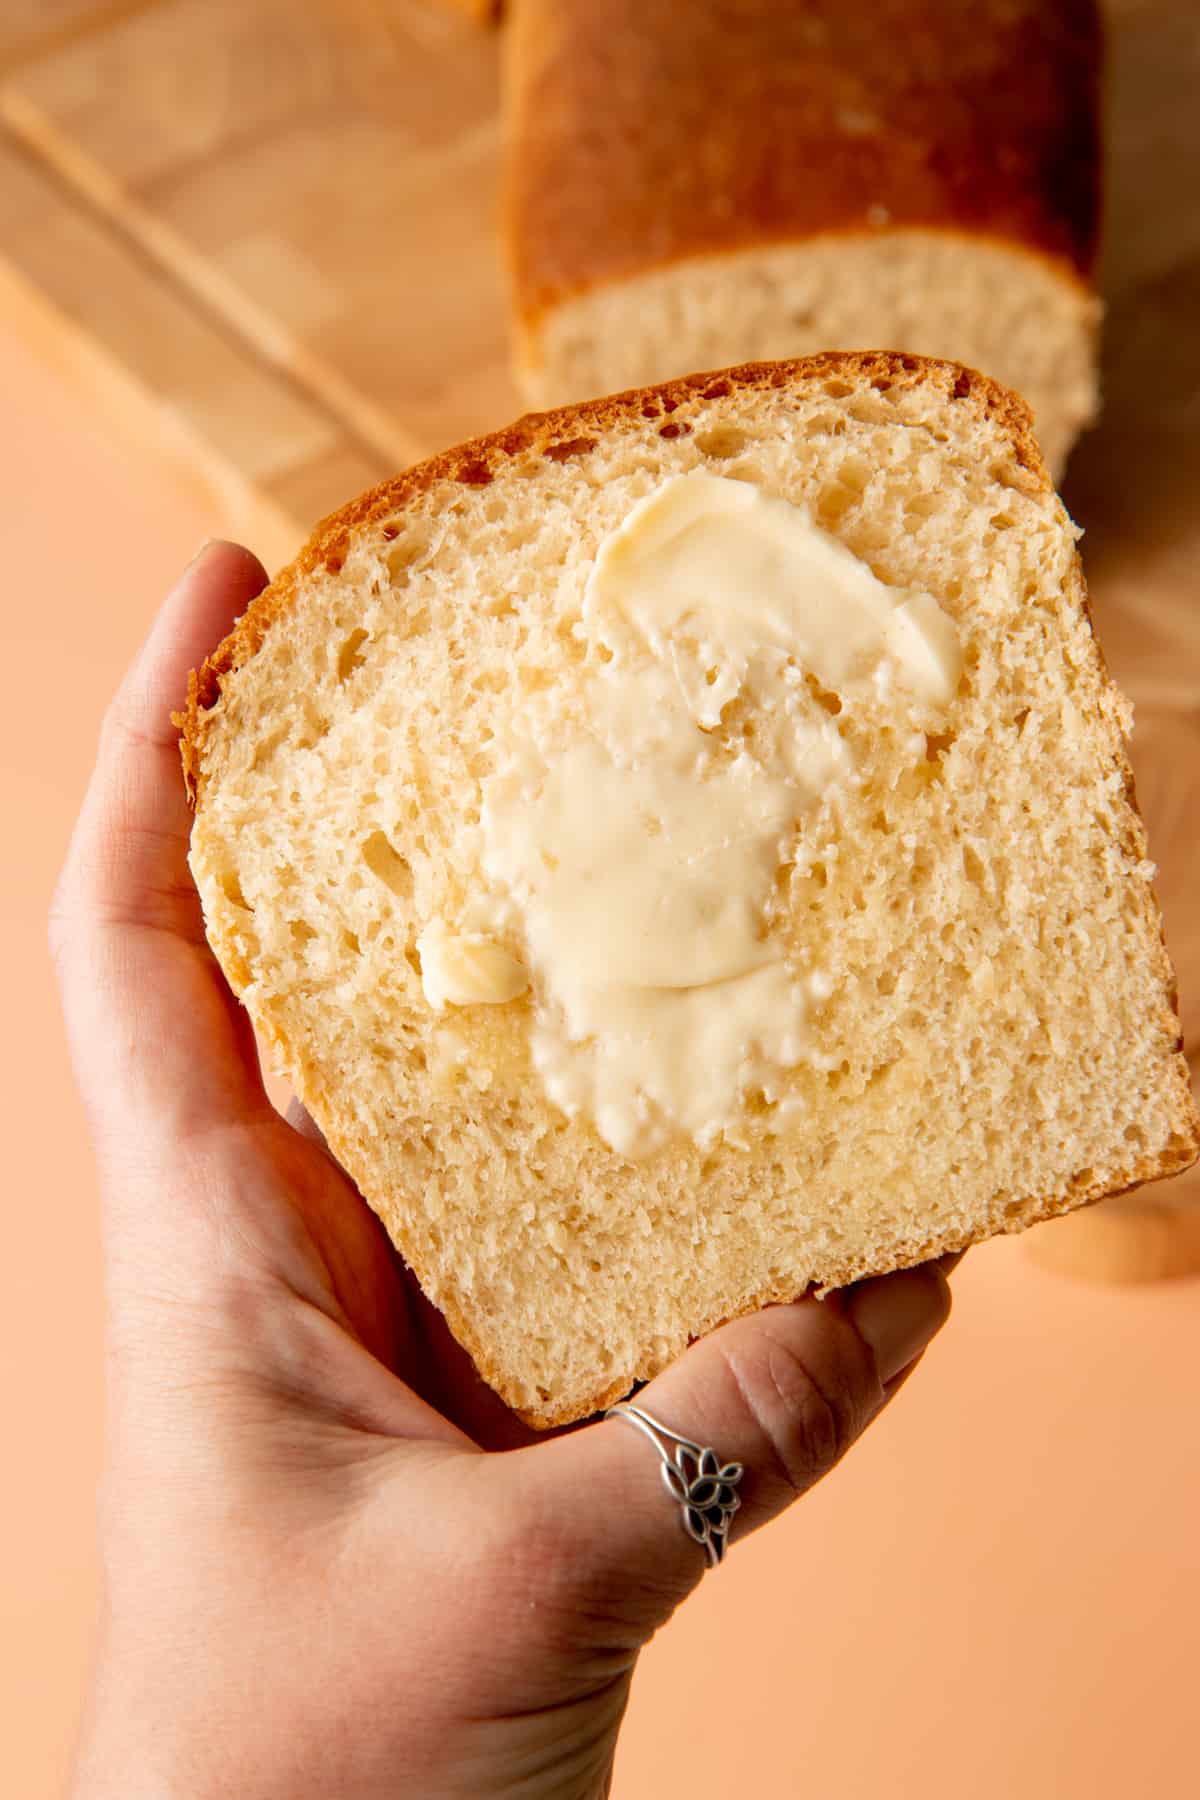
(335, 1564)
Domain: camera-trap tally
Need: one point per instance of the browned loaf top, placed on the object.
(644, 131)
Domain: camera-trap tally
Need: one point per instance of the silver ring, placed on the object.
(705, 1488)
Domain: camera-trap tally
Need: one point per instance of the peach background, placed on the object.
(998, 1594)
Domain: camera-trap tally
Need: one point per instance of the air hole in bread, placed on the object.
(413, 960)
(721, 441)
(974, 867)
(579, 446)
(388, 865)
(301, 933)
(824, 697)
(265, 749)
(350, 942)
(937, 743)
(316, 726)
(868, 409)
(231, 887)
(349, 658)
(838, 390)
(855, 472)
(404, 552)
(834, 502)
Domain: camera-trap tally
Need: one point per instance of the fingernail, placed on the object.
(202, 552)
(897, 1315)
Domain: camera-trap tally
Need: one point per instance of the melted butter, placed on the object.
(637, 855)
(656, 1058)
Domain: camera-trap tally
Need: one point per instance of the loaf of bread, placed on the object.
(682, 851)
(690, 186)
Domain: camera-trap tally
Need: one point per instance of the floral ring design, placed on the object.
(704, 1487)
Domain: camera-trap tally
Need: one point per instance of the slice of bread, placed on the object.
(695, 185)
(991, 1026)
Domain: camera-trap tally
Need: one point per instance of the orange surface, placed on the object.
(998, 1595)
(88, 540)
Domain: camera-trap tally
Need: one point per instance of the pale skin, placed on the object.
(334, 1563)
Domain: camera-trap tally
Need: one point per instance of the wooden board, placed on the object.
(317, 178)
(278, 220)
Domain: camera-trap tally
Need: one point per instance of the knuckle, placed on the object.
(808, 1412)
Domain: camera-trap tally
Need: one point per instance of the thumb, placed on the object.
(784, 1393)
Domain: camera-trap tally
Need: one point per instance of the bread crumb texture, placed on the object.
(995, 1016)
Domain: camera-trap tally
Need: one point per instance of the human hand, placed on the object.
(335, 1564)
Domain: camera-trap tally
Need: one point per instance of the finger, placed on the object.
(157, 1038)
(784, 1393)
(127, 862)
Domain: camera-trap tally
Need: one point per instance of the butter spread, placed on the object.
(467, 969)
(722, 565)
(636, 851)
